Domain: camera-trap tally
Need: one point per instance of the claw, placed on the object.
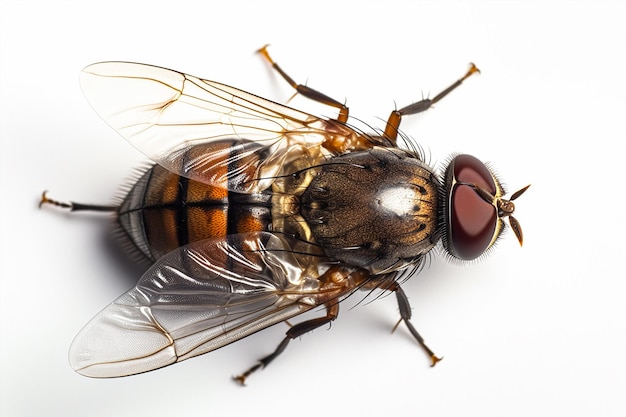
(46, 200)
(434, 360)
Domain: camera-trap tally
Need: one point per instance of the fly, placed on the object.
(254, 213)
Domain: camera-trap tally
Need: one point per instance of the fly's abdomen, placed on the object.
(163, 211)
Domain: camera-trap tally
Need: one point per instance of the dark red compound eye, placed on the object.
(472, 220)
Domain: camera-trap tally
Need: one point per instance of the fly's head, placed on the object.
(474, 208)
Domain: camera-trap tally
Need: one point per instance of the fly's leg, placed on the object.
(71, 206)
(332, 311)
(405, 315)
(393, 123)
(306, 91)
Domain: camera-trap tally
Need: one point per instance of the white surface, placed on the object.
(536, 331)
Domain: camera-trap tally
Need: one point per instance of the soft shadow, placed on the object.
(130, 265)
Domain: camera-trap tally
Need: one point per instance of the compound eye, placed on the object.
(473, 223)
(472, 220)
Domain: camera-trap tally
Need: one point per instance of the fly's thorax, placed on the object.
(375, 209)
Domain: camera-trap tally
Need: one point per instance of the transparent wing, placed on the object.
(165, 114)
(198, 298)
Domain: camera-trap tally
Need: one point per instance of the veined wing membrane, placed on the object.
(165, 113)
(196, 299)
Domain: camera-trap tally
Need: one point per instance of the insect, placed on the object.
(254, 213)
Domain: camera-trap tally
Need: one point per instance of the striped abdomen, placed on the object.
(163, 211)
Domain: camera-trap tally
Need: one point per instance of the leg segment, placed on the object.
(405, 315)
(332, 311)
(71, 206)
(393, 123)
(307, 92)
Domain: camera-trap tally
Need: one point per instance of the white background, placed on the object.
(534, 331)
